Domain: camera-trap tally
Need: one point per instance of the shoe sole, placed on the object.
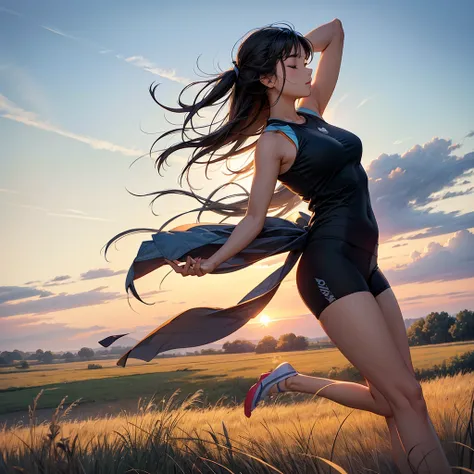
(260, 386)
(251, 393)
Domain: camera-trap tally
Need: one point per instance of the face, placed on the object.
(298, 76)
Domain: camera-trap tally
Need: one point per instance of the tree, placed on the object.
(47, 357)
(416, 334)
(39, 354)
(20, 353)
(265, 345)
(238, 346)
(68, 356)
(437, 327)
(463, 328)
(210, 351)
(301, 343)
(286, 341)
(11, 357)
(291, 342)
(24, 365)
(86, 353)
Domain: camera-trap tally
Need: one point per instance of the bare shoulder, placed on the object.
(277, 143)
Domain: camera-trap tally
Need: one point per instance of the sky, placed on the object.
(76, 114)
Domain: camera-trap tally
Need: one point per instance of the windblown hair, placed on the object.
(249, 110)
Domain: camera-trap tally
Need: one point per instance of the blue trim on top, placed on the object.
(286, 129)
(309, 111)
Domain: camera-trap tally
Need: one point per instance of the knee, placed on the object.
(408, 394)
(382, 406)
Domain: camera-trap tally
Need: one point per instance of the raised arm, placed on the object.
(329, 40)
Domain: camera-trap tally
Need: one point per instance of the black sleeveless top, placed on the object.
(327, 173)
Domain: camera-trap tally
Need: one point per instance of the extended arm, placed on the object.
(267, 167)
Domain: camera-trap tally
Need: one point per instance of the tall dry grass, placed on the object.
(282, 436)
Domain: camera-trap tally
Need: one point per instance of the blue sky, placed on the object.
(75, 112)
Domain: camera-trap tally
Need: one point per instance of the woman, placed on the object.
(337, 276)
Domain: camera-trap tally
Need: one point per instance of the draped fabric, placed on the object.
(203, 325)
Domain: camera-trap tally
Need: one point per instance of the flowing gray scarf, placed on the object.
(203, 325)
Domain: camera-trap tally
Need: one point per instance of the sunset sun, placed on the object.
(265, 319)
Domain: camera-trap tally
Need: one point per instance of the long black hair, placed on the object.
(249, 110)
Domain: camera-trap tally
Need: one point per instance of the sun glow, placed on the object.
(265, 319)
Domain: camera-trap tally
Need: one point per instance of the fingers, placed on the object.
(197, 267)
(191, 267)
(186, 270)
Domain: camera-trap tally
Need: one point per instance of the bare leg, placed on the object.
(393, 317)
(399, 454)
(356, 325)
(350, 394)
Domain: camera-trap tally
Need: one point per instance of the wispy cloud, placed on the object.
(147, 65)
(8, 191)
(31, 333)
(49, 302)
(451, 295)
(76, 216)
(57, 32)
(71, 213)
(22, 83)
(11, 12)
(61, 302)
(364, 101)
(11, 111)
(83, 41)
(137, 60)
(401, 140)
(101, 273)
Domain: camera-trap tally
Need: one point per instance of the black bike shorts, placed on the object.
(332, 268)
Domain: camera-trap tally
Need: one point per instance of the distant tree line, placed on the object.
(286, 342)
(43, 357)
(435, 328)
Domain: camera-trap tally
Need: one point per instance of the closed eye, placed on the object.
(294, 67)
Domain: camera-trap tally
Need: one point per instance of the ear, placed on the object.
(267, 80)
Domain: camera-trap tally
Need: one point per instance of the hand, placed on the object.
(197, 267)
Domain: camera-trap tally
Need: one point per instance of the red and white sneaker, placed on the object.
(260, 389)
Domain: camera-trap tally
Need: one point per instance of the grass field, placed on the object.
(278, 438)
(219, 376)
